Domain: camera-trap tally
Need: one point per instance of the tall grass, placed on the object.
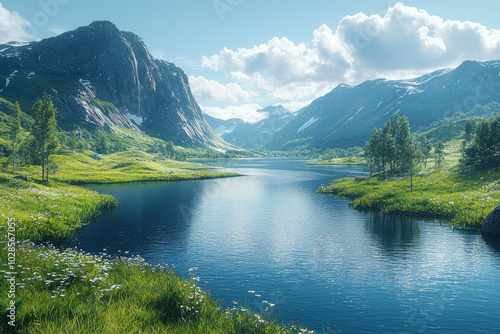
(48, 212)
(73, 292)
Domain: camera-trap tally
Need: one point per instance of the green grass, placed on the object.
(73, 292)
(48, 212)
(458, 193)
(352, 160)
(129, 166)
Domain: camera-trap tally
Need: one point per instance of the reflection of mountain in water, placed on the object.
(394, 232)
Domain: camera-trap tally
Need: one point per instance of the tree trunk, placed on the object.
(411, 178)
(13, 159)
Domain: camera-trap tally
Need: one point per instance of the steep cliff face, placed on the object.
(101, 77)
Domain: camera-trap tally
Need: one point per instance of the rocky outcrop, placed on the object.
(101, 77)
(492, 223)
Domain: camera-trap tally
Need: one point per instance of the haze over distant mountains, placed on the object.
(101, 77)
(346, 116)
(252, 135)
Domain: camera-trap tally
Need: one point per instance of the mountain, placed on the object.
(99, 78)
(252, 135)
(346, 116)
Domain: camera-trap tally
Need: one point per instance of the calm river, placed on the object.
(322, 263)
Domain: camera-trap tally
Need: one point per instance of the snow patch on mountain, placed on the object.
(308, 124)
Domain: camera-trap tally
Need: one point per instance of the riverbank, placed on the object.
(462, 195)
(73, 292)
(58, 291)
(351, 160)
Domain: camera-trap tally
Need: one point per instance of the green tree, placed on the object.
(403, 144)
(439, 153)
(369, 155)
(44, 132)
(484, 148)
(415, 157)
(425, 147)
(72, 141)
(15, 132)
(102, 144)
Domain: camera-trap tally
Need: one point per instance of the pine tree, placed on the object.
(425, 147)
(44, 132)
(439, 153)
(15, 132)
(403, 144)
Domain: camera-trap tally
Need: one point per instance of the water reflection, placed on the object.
(493, 242)
(394, 232)
(151, 214)
(320, 261)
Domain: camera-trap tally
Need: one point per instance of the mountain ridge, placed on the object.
(346, 116)
(100, 77)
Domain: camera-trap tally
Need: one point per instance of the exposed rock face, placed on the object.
(492, 223)
(102, 77)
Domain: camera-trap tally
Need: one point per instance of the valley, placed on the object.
(127, 206)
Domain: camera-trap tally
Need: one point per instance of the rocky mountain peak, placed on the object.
(102, 77)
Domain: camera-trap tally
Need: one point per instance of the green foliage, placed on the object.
(48, 212)
(464, 195)
(392, 148)
(44, 132)
(15, 132)
(439, 153)
(483, 146)
(425, 147)
(73, 292)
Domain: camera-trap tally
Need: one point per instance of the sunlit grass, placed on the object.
(48, 212)
(129, 166)
(463, 195)
(73, 292)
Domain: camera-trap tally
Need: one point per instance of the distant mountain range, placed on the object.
(100, 77)
(252, 135)
(346, 116)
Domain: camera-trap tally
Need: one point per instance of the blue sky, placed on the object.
(242, 55)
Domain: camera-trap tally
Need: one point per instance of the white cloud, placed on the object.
(247, 112)
(404, 42)
(11, 26)
(211, 90)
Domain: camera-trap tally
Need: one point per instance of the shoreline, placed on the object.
(457, 195)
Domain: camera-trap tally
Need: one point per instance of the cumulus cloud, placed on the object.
(406, 41)
(247, 112)
(211, 90)
(11, 26)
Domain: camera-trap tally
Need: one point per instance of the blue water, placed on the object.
(322, 263)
